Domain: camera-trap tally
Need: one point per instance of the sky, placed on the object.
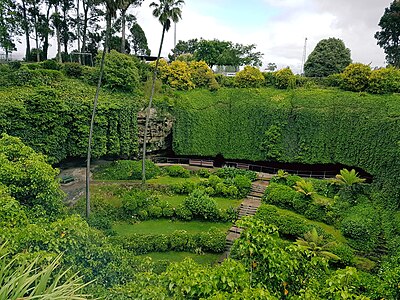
(277, 27)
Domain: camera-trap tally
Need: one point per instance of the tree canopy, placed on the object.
(389, 35)
(219, 53)
(330, 56)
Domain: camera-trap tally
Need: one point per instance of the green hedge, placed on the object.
(303, 126)
(180, 240)
(55, 120)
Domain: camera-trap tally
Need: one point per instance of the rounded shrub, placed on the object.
(178, 76)
(177, 171)
(384, 81)
(249, 77)
(50, 65)
(285, 79)
(201, 74)
(74, 70)
(355, 77)
(120, 72)
(361, 226)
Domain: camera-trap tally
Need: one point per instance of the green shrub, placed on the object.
(243, 184)
(120, 72)
(154, 212)
(345, 253)
(284, 79)
(280, 195)
(50, 65)
(201, 206)
(384, 81)
(334, 80)
(204, 173)
(355, 77)
(183, 213)
(212, 241)
(228, 172)
(249, 77)
(177, 171)
(231, 192)
(225, 81)
(74, 70)
(269, 78)
(202, 76)
(184, 188)
(361, 226)
(178, 75)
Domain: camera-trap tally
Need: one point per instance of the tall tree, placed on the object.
(138, 40)
(330, 56)
(8, 26)
(389, 35)
(184, 47)
(91, 17)
(111, 12)
(123, 6)
(166, 11)
(25, 25)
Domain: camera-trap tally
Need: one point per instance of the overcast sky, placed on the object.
(277, 27)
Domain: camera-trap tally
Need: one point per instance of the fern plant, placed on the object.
(314, 243)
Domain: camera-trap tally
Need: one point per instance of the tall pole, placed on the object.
(303, 60)
(174, 34)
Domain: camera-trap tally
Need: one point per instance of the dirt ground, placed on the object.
(75, 189)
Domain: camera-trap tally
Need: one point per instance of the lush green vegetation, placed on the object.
(301, 125)
(53, 118)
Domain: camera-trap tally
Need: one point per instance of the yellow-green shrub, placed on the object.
(355, 77)
(249, 77)
(177, 75)
(202, 75)
(384, 81)
(285, 79)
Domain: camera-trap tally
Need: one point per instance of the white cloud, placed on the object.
(280, 35)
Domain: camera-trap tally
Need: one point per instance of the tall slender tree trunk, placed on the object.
(58, 34)
(78, 29)
(46, 37)
(148, 110)
(123, 18)
(84, 31)
(26, 29)
(96, 98)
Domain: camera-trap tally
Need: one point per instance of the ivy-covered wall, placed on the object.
(55, 120)
(304, 126)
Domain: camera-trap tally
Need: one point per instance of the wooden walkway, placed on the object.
(248, 207)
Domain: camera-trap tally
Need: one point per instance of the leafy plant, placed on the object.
(27, 280)
(315, 244)
(305, 187)
(355, 77)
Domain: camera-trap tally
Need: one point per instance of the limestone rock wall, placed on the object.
(159, 135)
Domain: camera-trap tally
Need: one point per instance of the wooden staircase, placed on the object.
(248, 207)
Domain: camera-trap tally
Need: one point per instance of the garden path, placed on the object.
(248, 207)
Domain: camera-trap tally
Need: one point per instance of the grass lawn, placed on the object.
(166, 226)
(223, 203)
(204, 259)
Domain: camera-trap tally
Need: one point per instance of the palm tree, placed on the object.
(348, 178)
(304, 187)
(316, 245)
(166, 11)
(112, 7)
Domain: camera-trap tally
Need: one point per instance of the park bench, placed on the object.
(242, 166)
(207, 163)
(195, 162)
(67, 179)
